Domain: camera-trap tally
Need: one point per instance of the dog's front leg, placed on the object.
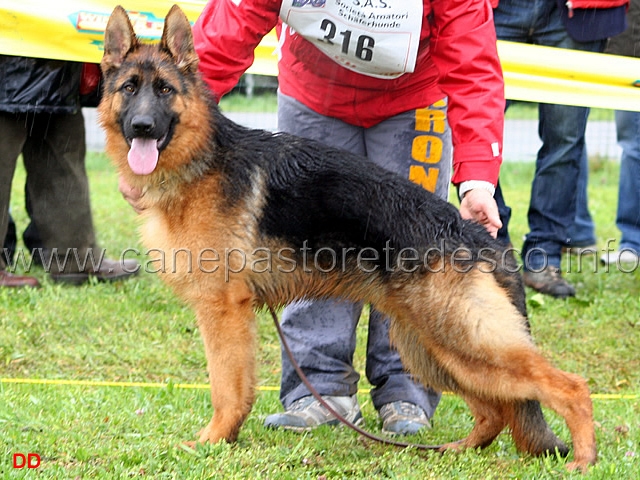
(227, 326)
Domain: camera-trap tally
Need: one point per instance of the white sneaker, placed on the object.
(625, 255)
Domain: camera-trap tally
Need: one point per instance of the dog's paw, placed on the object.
(582, 467)
(206, 435)
(216, 432)
(188, 445)
(452, 446)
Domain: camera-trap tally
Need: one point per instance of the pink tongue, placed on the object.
(143, 155)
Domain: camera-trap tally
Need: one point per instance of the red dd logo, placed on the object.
(30, 460)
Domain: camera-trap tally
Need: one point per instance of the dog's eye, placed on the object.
(129, 88)
(166, 90)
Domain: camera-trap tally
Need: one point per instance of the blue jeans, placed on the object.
(582, 232)
(552, 208)
(322, 334)
(628, 217)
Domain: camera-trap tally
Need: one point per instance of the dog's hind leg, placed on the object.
(529, 430)
(524, 379)
(531, 433)
(490, 420)
(228, 329)
(516, 403)
(568, 395)
(468, 327)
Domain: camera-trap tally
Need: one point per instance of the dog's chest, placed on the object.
(171, 251)
(155, 231)
(196, 248)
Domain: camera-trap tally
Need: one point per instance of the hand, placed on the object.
(131, 194)
(478, 204)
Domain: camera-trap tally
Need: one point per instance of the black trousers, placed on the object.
(53, 150)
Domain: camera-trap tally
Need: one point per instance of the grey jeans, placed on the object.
(322, 334)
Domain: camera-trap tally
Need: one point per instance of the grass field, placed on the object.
(105, 381)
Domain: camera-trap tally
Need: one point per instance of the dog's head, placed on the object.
(152, 110)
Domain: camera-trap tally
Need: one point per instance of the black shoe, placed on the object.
(550, 282)
(109, 271)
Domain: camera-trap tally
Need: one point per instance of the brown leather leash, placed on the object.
(331, 410)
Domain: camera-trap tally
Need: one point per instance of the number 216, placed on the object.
(364, 46)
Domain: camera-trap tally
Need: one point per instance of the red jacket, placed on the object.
(457, 57)
(596, 3)
(585, 3)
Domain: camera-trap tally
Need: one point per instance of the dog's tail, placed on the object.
(531, 433)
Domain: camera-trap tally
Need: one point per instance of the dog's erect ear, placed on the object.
(177, 40)
(119, 40)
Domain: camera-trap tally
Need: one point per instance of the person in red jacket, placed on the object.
(398, 82)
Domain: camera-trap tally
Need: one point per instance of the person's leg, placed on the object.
(57, 185)
(58, 193)
(512, 19)
(505, 216)
(391, 381)
(321, 334)
(628, 214)
(12, 137)
(31, 237)
(552, 208)
(10, 241)
(581, 233)
(416, 145)
(553, 194)
(515, 19)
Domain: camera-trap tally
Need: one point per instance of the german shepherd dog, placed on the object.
(275, 218)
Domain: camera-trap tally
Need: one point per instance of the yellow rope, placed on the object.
(99, 383)
(205, 386)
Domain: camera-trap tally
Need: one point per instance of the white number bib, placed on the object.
(378, 38)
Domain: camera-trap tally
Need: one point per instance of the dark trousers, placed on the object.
(30, 236)
(53, 150)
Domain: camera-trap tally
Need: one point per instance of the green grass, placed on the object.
(266, 102)
(137, 331)
(529, 111)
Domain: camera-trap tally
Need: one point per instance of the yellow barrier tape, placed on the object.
(204, 386)
(553, 75)
(74, 29)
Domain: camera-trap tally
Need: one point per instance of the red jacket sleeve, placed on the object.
(225, 36)
(598, 3)
(465, 53)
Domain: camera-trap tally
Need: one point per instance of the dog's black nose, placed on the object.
(142, 124)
